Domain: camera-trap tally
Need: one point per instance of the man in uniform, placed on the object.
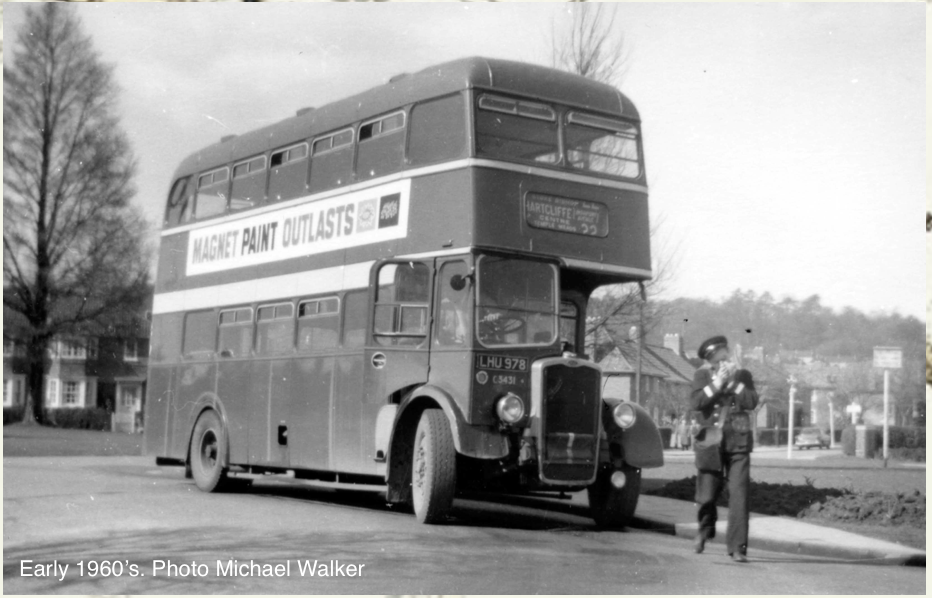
(722, 395)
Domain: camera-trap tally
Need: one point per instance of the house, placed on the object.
(102, 365)
(666, 377)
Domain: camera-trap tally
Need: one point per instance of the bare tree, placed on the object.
(590, 44)
(72, 245)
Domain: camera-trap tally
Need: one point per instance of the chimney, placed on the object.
(673, 342)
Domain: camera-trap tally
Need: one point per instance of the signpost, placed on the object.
(887, 358)
(789, 439)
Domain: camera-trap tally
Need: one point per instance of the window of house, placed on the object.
(13, 391)
(9, 347)
(381, 146)
(517, 130)
(234, 335)
(248, 184)
(275, 329)
(318, 324)
(212, 189)
(401, 304)
(51, 392)
(130, 350)
(438, 130)
(180, 204)
(288, 174)
(71, 393)
(129, 396)
(72, 349)
(200, 333)
(332, 164)
(91, 344)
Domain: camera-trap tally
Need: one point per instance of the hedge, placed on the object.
(13, 415)
(666, 435)
(87, 418)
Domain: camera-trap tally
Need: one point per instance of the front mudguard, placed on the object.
(639, 445)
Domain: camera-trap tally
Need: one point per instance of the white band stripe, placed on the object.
(709, 392)
(311, 282)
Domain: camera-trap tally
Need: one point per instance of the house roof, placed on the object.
(677, 363)
(624, 358)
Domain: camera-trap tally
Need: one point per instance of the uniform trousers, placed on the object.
(736, 472)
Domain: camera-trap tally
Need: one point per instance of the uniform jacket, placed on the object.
(737, 400)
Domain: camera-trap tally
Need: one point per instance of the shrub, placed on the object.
(904, 454)
(12, 415)
(848, 440)
(903, 437)
(666, 435)
(88, 418)
(772, 436)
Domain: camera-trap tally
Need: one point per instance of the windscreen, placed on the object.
(517, 302)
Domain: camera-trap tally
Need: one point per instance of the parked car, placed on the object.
(810, 437)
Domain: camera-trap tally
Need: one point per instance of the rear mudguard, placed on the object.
(640, 445)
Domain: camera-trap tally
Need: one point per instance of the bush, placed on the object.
(904, 454)
(666, 435)
(772, 436)
(848, 440)
(88, 418)
(903, 437)
(13, 415)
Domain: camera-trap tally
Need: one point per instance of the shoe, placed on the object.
(700, 543)
(739, 558)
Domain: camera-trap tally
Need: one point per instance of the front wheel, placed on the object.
(433, 473)
(613, 507)
(206, 451)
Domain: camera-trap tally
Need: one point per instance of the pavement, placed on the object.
(779, 534)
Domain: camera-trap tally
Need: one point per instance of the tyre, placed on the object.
(612, 507)
(433, 469)
(207, 447)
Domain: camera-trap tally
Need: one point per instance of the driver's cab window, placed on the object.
(454, 316)
(517, 302)
(569, 324)
(401, 301)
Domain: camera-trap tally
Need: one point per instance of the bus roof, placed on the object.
(527, 80)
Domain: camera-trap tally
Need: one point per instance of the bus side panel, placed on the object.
(353, 419)
(240, 384)
(309, 412)
(158, 411)
(281, 394)
(194, 380)
(452, 370)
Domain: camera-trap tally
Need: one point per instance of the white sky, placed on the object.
(785, 143)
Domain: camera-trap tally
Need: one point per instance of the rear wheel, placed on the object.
(206, 451)
(433, 472)
(613, 507)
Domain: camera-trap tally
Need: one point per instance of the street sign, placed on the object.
(888, 357)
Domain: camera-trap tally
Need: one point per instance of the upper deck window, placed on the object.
(438, 130)
(212, 190)
(248, 183)
(517, 130)
(289, 172)
(381, 146)
(602, 145)
(332, 165)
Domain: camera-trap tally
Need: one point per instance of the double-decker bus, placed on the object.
(391, 289)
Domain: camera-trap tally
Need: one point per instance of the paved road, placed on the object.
(166, 534)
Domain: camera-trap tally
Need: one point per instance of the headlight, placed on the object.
(510, 408)
(624, 415)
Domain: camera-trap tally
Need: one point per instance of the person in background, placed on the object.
(722, 395)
